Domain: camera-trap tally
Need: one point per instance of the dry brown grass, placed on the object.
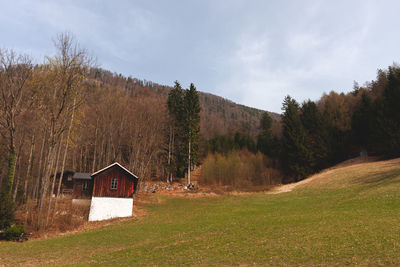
(350, 172)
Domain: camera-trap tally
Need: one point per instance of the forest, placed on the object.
(67, 114)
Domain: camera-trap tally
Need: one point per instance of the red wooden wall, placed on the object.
(102, 183)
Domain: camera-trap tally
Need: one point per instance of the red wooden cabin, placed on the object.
(114, 181)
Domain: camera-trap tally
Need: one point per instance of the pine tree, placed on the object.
(295, 156)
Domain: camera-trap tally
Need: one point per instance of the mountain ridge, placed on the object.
(219, 115)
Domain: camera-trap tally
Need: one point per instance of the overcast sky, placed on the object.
(252, 52)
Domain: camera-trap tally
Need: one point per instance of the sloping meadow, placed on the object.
(346, 216)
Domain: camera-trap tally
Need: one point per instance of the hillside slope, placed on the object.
(342, 174)
(344, 216)
(219, 116)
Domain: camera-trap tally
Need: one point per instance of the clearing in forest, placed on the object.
(344, 216)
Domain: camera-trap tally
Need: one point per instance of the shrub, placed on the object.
(7, 211)
(15, 232)
(239, 169)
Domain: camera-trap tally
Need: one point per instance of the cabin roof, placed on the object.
(82, 175)
(112, 165)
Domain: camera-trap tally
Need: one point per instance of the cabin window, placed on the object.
(114, 183)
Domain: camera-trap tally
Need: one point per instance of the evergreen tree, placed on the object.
(265, 139)
(295, 156)
(363, 121)
(192, 125)
(184, 109)
(175, 102)
(389, 122)
(317, 135)
(176, 145)
(7, 210)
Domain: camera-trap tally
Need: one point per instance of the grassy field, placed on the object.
(347, 216)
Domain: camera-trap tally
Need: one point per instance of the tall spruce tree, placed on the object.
(295, 156)
(317, 135)
(192, 126)
(176, 145)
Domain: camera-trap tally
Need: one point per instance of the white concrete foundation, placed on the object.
(103, 208)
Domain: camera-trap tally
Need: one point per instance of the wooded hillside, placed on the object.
(67, 115)
(219, 116)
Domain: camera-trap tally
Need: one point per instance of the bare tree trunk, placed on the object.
(35, 192)
(18, 163)
(83, 151)
(45, 185)
(95, 147)
(102, 150)
(28, 177)
(54, 181)
(64, 158)
(169, 178)
(14, 196)
(172, 149)
(189, 164)
(80, 160)
(16, 178)
(29, 168)
(109, 149)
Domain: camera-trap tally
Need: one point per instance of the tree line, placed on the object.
(318, 134)
(363, 122)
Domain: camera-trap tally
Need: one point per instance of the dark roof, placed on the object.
(115, 164)
(82, 175)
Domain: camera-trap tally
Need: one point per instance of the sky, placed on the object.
(251, 52)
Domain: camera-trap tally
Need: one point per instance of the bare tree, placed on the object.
(66, 71)
(15, 72)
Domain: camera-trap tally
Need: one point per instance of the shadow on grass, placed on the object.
(380, 178)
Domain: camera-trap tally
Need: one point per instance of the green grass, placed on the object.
(349, 216)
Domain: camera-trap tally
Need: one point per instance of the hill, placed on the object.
(219, 116)
(343, 216)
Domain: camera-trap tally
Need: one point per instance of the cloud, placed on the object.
(253, 52)
(311, 57)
